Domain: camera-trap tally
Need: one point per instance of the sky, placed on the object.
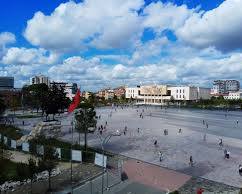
(101, 44)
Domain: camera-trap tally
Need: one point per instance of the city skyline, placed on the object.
(99, 45)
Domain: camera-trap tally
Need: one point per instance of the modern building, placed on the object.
(161, 94)
(233, 95)
(223, 87)
(6, 83)
(106, 93)
(40, 79)
(69, 88)
(58, 84)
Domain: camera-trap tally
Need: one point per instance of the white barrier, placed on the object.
(58, 152)
(25, 147)
(5, 140)
(76, 155)
(100, 160)
(13, 144)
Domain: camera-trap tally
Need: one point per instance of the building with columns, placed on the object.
(161, 94)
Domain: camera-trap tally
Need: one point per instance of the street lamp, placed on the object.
(104, 141)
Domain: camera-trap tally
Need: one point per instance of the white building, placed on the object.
(223, 87)
(132, 92)
(40, 79)
(70, 90)
(160, 94)
(234, 95)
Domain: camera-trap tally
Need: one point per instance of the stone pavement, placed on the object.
(154, 176)
(176, 147)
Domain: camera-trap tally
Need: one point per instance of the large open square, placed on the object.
(208, 156)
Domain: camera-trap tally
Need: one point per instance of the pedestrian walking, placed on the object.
(237, 122)
(23, 123)
(205, 137)
(203, 122)
(207, 125)
(240, 170)
(155, 143)
(220, 143)
(226, 154)
(160, 156)
(138, 130)
(191, 161)
(180, 130)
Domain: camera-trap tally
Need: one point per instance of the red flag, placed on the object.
(75, 102)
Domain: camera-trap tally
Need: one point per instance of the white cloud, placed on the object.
(220, 27)
(73, 26)
(94, 74)
(6, 38)
(25, 56)
(161, 16)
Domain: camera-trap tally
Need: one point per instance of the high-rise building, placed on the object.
(6, 83)
(40, 79)
(221, 87)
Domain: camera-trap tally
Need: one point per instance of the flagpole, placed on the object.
(71, 153)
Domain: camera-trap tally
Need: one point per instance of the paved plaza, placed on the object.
(208, 157)
(177, 147)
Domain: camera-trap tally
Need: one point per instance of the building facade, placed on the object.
(70, 90)
(161, 94)
(233, 95)
(119, 92)
(6, 83)
(40, 79)
(223, 87)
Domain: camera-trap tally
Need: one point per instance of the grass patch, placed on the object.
(10, 131)
(9, 171)
(27, 116)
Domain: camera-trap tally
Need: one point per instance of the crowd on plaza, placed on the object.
(161, 154)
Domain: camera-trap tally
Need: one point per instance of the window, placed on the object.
(176, 91)
(180, 90)
(183, 91)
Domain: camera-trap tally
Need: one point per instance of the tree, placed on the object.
(85, 117)
(55, 101)
(35, 96)
(32, 170)
(48, 162)
(2, 107)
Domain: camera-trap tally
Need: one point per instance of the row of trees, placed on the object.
(28, 170)
(95, 100)
(50, 100)
(219, 102)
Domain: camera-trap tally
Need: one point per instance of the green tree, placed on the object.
(35, 96)
(85, 117)
(48, 162)
(2, 106)
(56, 101)
(32, 170)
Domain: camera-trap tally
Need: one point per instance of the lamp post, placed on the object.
(104, 141)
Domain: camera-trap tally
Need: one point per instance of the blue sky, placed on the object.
(121, 42)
